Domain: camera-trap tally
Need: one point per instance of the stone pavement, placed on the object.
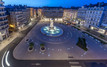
(64, 49)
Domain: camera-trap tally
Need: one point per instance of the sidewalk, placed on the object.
(84, 30)
(5, 42)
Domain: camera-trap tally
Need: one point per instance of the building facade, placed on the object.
(81, 15)
(32, 12)
(104, 19)
(39, 12)
(35, 13)
(70, 14)
(94, 17)
(18, 17)
(4, 33)
(52, 12)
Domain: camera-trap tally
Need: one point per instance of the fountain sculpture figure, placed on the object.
(52, 30)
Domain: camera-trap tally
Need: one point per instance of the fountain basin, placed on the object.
(56, 31)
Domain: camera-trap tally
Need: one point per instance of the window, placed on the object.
(100, 12)
(96, 24)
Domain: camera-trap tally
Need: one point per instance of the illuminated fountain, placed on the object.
(52, 30)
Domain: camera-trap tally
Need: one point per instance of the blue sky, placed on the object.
(63, 3)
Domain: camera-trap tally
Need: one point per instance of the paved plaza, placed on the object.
(59, 48)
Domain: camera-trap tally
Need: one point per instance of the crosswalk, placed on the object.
(74, 64)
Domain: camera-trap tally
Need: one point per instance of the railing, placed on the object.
(1, 5)
(3, 20)
(3, 24)
(4, 28)
(2, 11)
(3, 15)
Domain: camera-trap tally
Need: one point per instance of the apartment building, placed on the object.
(81, 15)
(35, 13)
(18, 17)
(70, 14)
(4, 33)
(52, 12)
(95, 17)
(32, 12)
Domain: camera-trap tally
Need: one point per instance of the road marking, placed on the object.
(68, 48)
(42, 53)
(37, 64)
(48, 55)
(75, 66)
(7, 59)
(85, 53)
(3, 59)
(48, 48)
(104, 49)
(52, 49)
(73, 62)
(81, 55)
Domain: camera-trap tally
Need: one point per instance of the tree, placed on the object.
(82, 43)
(31, 46)
(42, 47)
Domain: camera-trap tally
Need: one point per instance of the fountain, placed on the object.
(52, 30)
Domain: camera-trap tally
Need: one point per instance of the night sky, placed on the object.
(63, 3)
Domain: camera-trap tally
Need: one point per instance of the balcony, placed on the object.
(3, 24)
(5, 20)
(4, 28)
(2, 16)
(2, 11)
(1, 2)
(2, 6)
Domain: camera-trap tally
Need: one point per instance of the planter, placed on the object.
(27, 40)
(30, 49)
(42, 49)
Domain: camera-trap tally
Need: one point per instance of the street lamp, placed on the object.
(11, 25)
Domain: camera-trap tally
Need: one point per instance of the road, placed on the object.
(7, 59)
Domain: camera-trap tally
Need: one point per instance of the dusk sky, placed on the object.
(63, 3)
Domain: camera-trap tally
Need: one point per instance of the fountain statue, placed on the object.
(52, 30)
(51, 24)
